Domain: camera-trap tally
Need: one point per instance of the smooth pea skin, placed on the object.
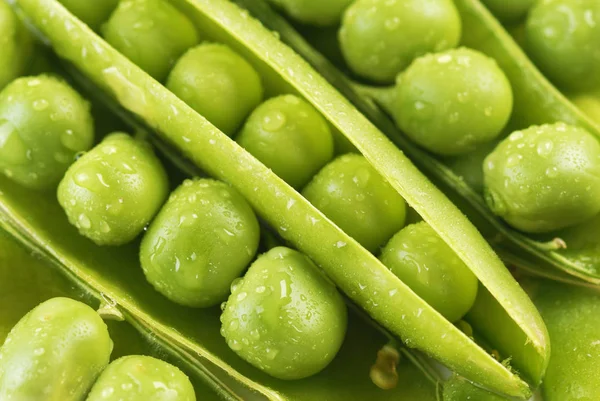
(563, 39)
(218, 83)
(93, 13)
(289, 136)
(424, 262)
(151, 33)
(16, 48)
(54, 353)
(203, 238)
(284, 317)
(314, 12)
(380, 38)
(44, 123)
(351, 193)
(452, 102)
(141, 378)
(544, 178)
(113, 191)
(509, 11)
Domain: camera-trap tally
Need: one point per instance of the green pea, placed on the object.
(43, 124)
(544, 178)
(314, 12)
(55, 352)
(451, 102)
(563, 39)
(290, 137)
(137, 377)
(203, 238)
(93, 13)
(217, 83)
(380, 38)
(510, 11)
(354, 196)
(284, 317)
(114, 190)
(151, 33)
(424, 262)
(17, 45)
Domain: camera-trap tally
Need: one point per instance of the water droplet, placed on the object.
(40, 104)
(545, 147)
(236, 284)
(104, 227)
(274, 120)
(514, 160)
(551, 172)
(260, 289)
(340, 244)
(445, 58)
(235, 345)
(271, 353)
(39, 351)
(515, 136)
(255, 334)
(241, 296)
(107, 392)
(423, 110)
(84, 221)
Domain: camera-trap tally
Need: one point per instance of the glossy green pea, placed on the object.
(217, 83)
(17, 46)
(563, 38)
(510, 11)
(290, 137)
(544, 178)
(55, 352)
(151, 33)
(424, 262)
(284, 317)
(93, 13)
(203, 238)
(380, 38)
(142, 378)
(44, 123)
(451, 102)
(113, 191)
(355, 196)
(314, 12)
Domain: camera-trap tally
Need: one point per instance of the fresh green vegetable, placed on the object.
(44, 123)
(544, 178)
(509, 11)
(137, 377)
(93, 13)
(284, 317)
(459, 389)
(113, 191)
(202, 239)
(354, 196)
(314, 12)
(151, 33)
(17, 46)
(55, 352)
(380, 38)
(419, 257)
(290, 137)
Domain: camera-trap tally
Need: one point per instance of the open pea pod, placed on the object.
(357, 272)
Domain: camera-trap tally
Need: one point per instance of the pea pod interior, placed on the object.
(351, 267)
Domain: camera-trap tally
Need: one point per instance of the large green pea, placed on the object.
(290, 137)
(151, 33)
(142, 378)
(43, 124)
(452, 102)
(17, 45)
(114, 190)
(314, 12)
(380, 38)
(284, 317)
(510, 11)
(203, 238)
(55, 352)
(563, 38)
(424, 262)
(354, 196)
(93, 13)
(217, 83)
(544, 178)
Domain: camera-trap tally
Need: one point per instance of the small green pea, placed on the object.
(314, 12)
(424, 262)
(142, 378)
(510, 11)
(203, 238)
(151, 33)
(563, 39)
(451, 102)
(284, 317)
(290, 137)
(354, 196)
(16, 50)
(93, 13)
(217, 83)
(380, 38)
(43, 124)
(544, 178)
(55, 352)
(113, 191)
